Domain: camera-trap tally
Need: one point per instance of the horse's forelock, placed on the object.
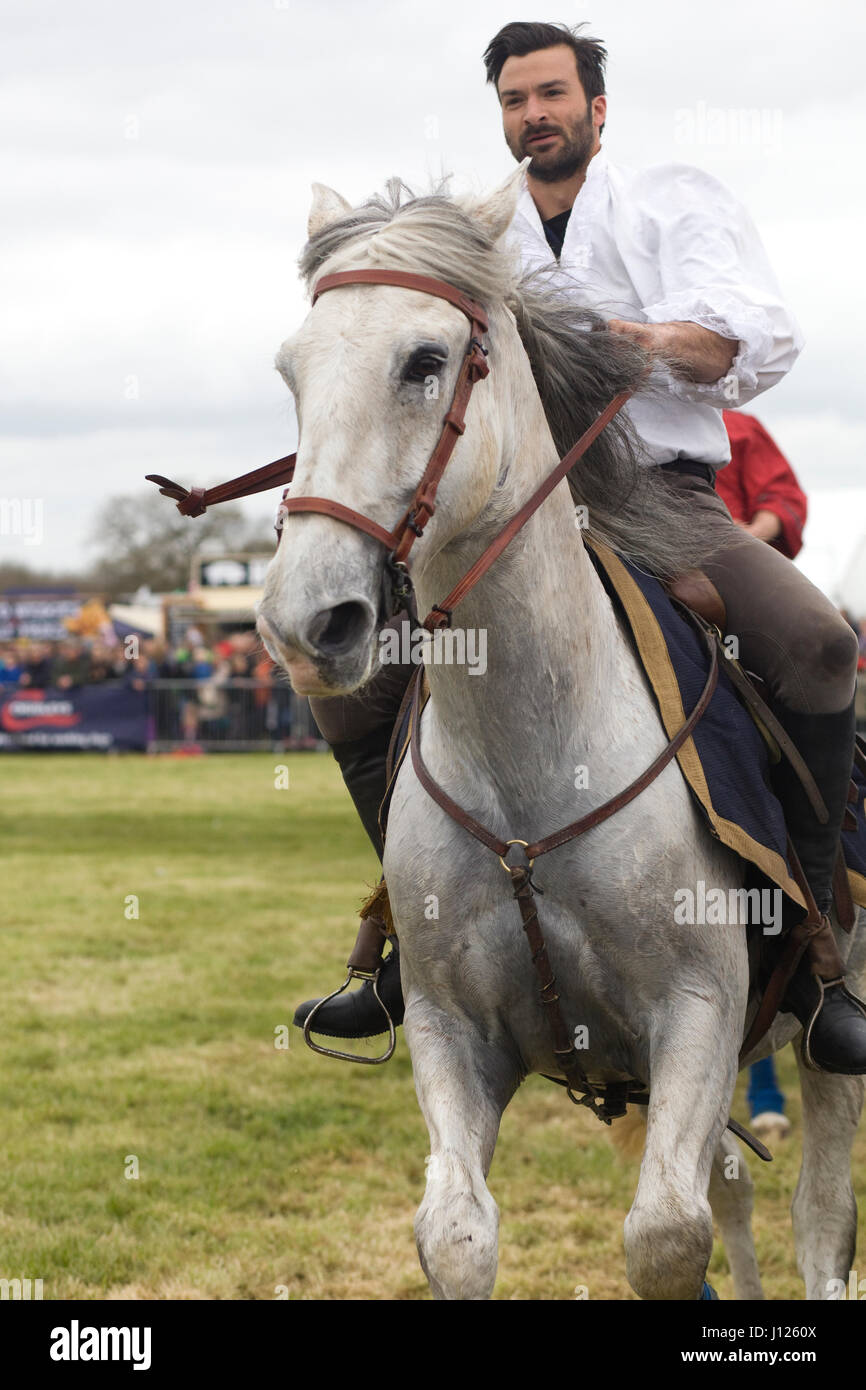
(431, 235)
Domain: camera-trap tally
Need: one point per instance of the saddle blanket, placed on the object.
(726, 760)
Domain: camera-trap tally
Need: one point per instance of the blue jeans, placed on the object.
(763, 1093)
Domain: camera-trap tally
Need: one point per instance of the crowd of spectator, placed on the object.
(77, 661)
(227, 688)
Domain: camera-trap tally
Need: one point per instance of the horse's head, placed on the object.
(373, 370)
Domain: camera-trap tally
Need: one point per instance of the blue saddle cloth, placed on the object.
(726, 761)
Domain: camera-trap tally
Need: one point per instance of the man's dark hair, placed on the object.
(516, 40)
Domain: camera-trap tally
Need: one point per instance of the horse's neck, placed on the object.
(559, 675)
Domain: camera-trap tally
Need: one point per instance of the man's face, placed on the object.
(545, 113)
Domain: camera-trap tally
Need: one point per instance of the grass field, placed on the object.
(153, 1038)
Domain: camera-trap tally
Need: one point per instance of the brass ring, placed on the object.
(525, 844)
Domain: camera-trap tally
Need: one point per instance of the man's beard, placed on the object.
(574, 155)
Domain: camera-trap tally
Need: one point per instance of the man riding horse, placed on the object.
(670, 259)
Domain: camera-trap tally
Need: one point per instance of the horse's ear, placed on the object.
(327, 207)
(495, 210)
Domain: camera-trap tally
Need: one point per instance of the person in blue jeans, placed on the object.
(767, 1101)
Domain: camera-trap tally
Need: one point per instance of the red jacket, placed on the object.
(760, 478)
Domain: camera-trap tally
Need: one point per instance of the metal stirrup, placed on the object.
(373, 978)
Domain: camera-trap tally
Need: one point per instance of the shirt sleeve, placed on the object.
(713, 271)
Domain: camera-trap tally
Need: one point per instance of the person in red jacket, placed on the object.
(758, 486)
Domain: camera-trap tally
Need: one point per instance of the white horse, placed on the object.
(563, 690)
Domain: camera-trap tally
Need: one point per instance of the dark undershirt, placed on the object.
(554, 230)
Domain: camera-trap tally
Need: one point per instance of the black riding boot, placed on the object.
(358, 1014)
(833, 1019)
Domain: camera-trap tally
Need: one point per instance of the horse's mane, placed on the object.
(578, 365)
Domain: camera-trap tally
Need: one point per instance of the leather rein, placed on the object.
(605, 1100)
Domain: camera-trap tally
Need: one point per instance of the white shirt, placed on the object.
(663, 244)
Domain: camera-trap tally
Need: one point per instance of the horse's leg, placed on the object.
(731, 1199)
(824, 1210)
(463, 1085)
(669, 1230)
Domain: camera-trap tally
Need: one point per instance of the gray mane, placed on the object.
(577, 364)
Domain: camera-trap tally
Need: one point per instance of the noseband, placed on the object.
(398, 542)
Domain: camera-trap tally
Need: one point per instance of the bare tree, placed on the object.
(142, 539)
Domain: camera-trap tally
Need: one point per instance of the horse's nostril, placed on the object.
(337, 629)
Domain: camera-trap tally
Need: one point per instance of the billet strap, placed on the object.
(440, 614)
(196, 500)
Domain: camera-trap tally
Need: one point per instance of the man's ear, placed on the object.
(495, 210)
(327, 207)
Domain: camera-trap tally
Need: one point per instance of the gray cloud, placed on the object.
(157, 192)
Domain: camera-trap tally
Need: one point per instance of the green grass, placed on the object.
(153, 1037)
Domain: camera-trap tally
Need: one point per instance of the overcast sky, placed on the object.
(156, 179)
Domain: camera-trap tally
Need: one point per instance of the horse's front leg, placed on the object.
(463, 1085)
(693, 1069)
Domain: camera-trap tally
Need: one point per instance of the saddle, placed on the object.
(695, 591)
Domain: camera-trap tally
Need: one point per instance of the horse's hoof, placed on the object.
(707, 1292)
(771, 1126)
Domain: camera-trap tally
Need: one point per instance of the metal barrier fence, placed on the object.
(234, 715)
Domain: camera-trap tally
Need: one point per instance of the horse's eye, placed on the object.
(422, 364)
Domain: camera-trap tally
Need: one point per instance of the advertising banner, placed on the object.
(95, 717)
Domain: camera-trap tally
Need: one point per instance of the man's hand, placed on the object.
(765, 525)
(690, 351)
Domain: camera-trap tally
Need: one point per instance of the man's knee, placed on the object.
(839, 651)
(828, 654)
